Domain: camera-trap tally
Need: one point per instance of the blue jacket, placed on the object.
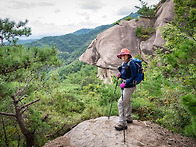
(130, 75)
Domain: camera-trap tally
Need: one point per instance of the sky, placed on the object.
(60, 17)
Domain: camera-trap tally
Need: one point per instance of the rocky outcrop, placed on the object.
(103, 50)
(100, 132)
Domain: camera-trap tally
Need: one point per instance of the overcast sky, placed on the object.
(60, 17)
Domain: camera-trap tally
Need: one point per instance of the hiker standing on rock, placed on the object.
(128, 75)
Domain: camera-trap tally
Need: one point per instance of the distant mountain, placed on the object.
(69, 42)
(81, 31)
(134, 15)
(23, 41)
(72, 45)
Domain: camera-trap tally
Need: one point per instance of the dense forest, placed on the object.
(45, 91)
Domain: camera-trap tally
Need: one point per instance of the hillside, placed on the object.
(23, 41)
(82, 31)
(69, 42)
(72, 45)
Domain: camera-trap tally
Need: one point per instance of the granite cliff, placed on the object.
(104, 48)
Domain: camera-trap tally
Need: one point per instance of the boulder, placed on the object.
(100, 132)
(104, 48)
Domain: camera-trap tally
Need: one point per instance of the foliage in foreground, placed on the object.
(21, 73)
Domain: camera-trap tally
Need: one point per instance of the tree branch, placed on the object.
(24, 110)
(24, 106)
(7, 114)
(20, 99)
(21, 90)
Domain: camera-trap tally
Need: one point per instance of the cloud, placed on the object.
(57, 11)
(91, 5)
(28, 4)
(50, 29)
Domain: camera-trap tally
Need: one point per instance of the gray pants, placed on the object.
(127, 92)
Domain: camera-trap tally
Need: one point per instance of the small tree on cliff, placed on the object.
(9, 30)
(145, 11)
(143, 34)
(20, 78)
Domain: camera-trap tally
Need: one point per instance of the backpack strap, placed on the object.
(134, 81)
(133, 63)
(128, 66)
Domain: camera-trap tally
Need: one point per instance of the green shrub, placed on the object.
(128, 18)
(189, 101)
(117, 22)
(144, 33)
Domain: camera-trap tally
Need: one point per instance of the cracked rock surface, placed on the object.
(100, 132)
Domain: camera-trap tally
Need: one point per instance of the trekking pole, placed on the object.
(123, 115)
(113, 98)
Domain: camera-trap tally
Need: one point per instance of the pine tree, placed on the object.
(20, 68)
(145, 11)
(9, 30)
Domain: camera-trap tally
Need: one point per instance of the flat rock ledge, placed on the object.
(100, 132)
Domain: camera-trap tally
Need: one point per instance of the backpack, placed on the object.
(139, 70)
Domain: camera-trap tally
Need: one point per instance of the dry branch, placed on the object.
(20, 99)
(24, 106)
(24, 110)
(7, 114)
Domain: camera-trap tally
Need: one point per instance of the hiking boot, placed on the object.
(120, 127)
(129, 121)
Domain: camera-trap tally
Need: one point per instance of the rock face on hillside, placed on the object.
(103, 50)
(100, 132)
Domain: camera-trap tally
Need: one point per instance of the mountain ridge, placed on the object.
(67, 42)
(82, 31)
